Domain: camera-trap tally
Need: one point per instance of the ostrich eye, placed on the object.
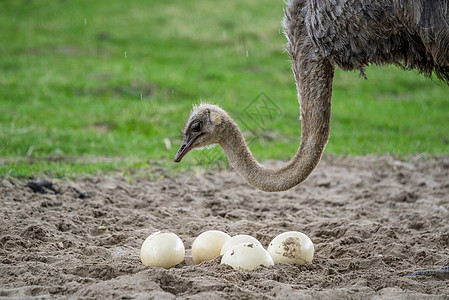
(197, 126)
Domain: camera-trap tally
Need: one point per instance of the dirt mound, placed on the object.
(373, 222)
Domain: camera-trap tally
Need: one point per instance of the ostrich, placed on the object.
(323, 35)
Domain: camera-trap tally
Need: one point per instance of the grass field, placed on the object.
(89, 86)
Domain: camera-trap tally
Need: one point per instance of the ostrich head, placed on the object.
(204, 128)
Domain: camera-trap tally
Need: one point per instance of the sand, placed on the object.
(373, 221)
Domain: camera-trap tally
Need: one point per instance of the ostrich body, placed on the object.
(323, 35)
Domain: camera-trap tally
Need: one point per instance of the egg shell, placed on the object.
(292, 247)
(162, 249)
(247, 257)
(238, 239)
(207, 245)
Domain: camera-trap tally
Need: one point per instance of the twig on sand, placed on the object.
(442, 273)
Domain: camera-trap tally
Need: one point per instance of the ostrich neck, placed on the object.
(314, 85)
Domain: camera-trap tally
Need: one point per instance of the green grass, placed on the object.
(68, 91)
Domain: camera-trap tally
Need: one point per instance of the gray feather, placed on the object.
(352, 34)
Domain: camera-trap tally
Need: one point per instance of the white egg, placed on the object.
(207, 245)
(291, 247)
(162, 249)
(247, 257)
(238, 239)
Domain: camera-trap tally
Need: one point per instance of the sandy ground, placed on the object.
(373, 221)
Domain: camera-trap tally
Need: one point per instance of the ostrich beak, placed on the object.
(186, 146)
